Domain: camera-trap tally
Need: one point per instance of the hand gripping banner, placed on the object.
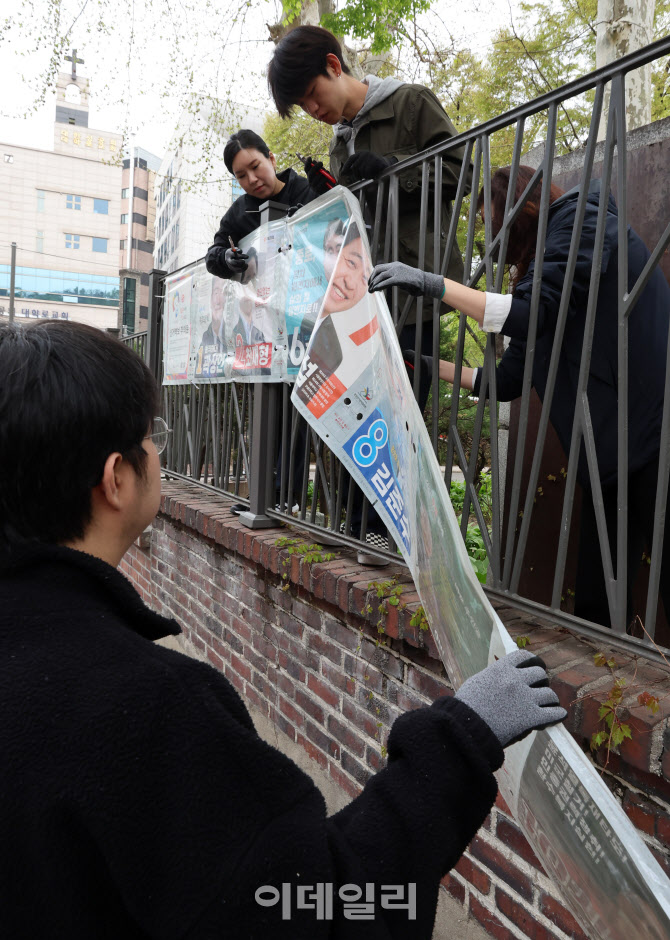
(353, 390)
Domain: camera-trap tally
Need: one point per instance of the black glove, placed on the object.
(513, 696)
(317, 182)
(366, 165)
(416, 282)
(236, 260)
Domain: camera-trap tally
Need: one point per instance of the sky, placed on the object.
(138, 61)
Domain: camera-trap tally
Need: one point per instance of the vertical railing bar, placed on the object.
(423, 214)
(460, 346)
(620, 614)
(435, 338)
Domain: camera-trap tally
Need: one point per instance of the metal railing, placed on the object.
(248, 441)
(137, 342)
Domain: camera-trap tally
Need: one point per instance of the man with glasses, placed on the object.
(137, 798)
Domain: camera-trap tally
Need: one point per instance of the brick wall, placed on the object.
(291, 638)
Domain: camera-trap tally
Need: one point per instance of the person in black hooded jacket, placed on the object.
(138, 801)
(249, 159)
(647, 345)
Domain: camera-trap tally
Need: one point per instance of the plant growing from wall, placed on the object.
(308, 552)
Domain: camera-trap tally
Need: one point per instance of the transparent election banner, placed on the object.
(354, 391)
(255, 326)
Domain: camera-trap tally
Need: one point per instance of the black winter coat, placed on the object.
(647, 338)
(244, 217)
(138, 801)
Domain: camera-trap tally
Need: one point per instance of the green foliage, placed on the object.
(615, 731)
(419, 619)
(308, 552)
(297, 134)
(378, 20)
(474, 542)
(522, 642)
(388, 595)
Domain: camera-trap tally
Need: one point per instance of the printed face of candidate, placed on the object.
(349, 281)
(246, 306)
(331, 250)
(217, 303)
(256, 173)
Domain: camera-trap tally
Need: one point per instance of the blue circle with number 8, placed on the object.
(367, 446)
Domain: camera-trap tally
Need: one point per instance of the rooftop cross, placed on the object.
(74, 60)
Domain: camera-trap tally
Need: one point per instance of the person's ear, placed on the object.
(273, 160)
(110, 485)
(333, 65)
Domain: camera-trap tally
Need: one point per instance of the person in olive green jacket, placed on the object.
(377, 122)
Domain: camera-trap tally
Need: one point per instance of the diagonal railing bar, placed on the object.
(661, 247)
(582, 382)
(508, 571)
(561, 321)
(660, 508)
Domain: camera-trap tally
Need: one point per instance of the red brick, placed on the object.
(489, 921)
(338, 679)
(426, 683)
(559, 915)
(522, 917)
(240, 666)
(473, 874)
(324, 647)
(307, 703)
(455, 888)
(344, 781)
(358, 771)
(291, 713)
(215, 660)
(346, 736)
(294, 669)
(313, 751)
(324, 691)
(258, 700)
(640, 812)
(323, 742)
(502, 867)
(511, 836)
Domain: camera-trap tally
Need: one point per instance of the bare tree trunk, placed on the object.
(623, 27)
(310, 15)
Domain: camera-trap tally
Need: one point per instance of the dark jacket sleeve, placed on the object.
(215, 257)
(509, 373)
(554, 267)
(410, 825)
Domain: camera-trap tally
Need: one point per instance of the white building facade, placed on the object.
(188, 213)
(62, 210)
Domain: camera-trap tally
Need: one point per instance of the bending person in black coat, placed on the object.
(647, 344)
(138, 799)
(249, 159)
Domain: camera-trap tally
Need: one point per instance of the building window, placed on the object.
(71, 241)
(55, 286)
(70, 121)
(39, 241)
(123, 244)
(72, 202)
(124, 193)
(9, 158)
(40, 200)
(101, 206)
(129, 289)
(100, 244)
(124, 218)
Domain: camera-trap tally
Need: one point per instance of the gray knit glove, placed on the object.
(513, 696)
(412, 280)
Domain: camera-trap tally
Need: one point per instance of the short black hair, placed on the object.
(298, 58)
(70, 395)
(334, 229)
(244, 139)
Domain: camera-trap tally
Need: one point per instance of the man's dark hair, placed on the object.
(70, 395)
(243, 140)
(334, 229)
(299, 58)
(353, 232)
